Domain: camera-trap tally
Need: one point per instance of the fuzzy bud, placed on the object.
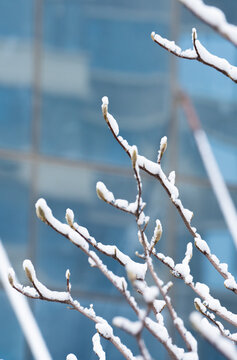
(29, 270)
(70, 217)
(103, 193)
(11, 276)
(100, 194)
(157, 234)
(104, 106)
(68, 274)
(134, 156)
(40, 213)
(194, 34)
(130, 272)
(163, 146)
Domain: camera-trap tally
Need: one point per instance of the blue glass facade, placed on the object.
(57, 59)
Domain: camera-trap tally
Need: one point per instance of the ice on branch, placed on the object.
(108, 117)
(97, 347)
(103, 193)
(71, 357)
(163, 146)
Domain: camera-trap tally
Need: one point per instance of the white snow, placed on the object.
(159, 329)
(203, 289)
(107, 332)
(97, 347)
(230, 284)
(159, 305)
(150, 293)
(121, 203)
(223, 267)
(201, 244)
(188, 214)
(71, 357)
(172, 47)
(172, 177)
(104, 329)
(105, 101)
(184, 271)
(188, 253)
(132, 327)
(166, 259)
(135, 270)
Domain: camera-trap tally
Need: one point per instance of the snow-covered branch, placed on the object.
(150, 294)
(213, 335)
(136, 272)
(40, 291)
(155, 170)
(213, 17)
(97, 347)
(80, 237)
(182, 271)
(199, 53)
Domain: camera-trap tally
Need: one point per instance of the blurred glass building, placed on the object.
(57, 59)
